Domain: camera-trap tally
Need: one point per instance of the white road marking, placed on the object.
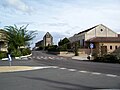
(62, 68)
(33, 57)
(83, 71)
(50, 58)
(95, 73)
(45, 58)
(111, 75)
(44, 67)
(54, 66)
(41, 56)
(72, 70)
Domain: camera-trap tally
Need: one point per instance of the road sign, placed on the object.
(10, 59)
(91, 45)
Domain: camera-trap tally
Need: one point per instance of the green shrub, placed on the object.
(16, 53)
(3, 54)
(53, 48)
(109, 58)
(25, 51)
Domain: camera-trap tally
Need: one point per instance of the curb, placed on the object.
(6, 59)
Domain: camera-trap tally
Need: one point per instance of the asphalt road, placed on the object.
(66, 74)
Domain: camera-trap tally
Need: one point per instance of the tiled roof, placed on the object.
(104, 39)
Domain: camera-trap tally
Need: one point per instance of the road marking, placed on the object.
(41, 56)
(111, 75)
(44, 67)
(33, 57)
(62, 68)
(72, 70)
(50, 58)
(54, 66)
(95, 73)
(83, 71)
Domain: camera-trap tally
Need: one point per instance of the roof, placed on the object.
(88, 29)
(104, 39)
(47, 35)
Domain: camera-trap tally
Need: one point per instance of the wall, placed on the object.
(113, 46)
(100, 31)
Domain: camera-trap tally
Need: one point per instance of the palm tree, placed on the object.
(17, 37)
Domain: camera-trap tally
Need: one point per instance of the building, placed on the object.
(104, 40)
(47, 41)
(3, 43)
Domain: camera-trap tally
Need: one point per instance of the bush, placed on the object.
(16, 53)
(20, 52)
(111, 58)
(53, 48)
(107, 58)
(3, 54)
(25, 51)
(62, 48)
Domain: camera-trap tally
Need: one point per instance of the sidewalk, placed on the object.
(71, 55)
(14, 68)
(79, 58)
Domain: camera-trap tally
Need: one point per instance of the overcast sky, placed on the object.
(60, 17)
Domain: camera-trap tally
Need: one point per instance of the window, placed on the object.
(110, 47)
(101, 30)
(115, 47)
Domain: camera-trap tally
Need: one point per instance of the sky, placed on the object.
(62, 18)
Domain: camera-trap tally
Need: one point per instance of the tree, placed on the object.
(64, 44)
(76, 49)
(17, 37)
(64, 41)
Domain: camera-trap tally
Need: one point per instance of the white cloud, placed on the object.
(65, 17)
(17, 4)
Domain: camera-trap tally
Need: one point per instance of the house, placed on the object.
(104, 40)
(47, 41)
(3, 43)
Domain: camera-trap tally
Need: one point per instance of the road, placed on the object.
(65, 74)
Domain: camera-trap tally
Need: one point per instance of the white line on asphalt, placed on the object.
(33, 57)
(62, 68)
(83, 71)
(40, 67)
(111, 75)
(72, 70)
(44, 67)
(41, 56)
(95, 73)
(54, 67)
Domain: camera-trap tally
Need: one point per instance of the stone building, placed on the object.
(47, 41)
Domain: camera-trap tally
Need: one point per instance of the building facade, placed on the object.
(3, 43)
(47, 41)
(104, 40)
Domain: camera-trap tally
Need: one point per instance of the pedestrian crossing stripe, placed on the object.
(52, 58)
